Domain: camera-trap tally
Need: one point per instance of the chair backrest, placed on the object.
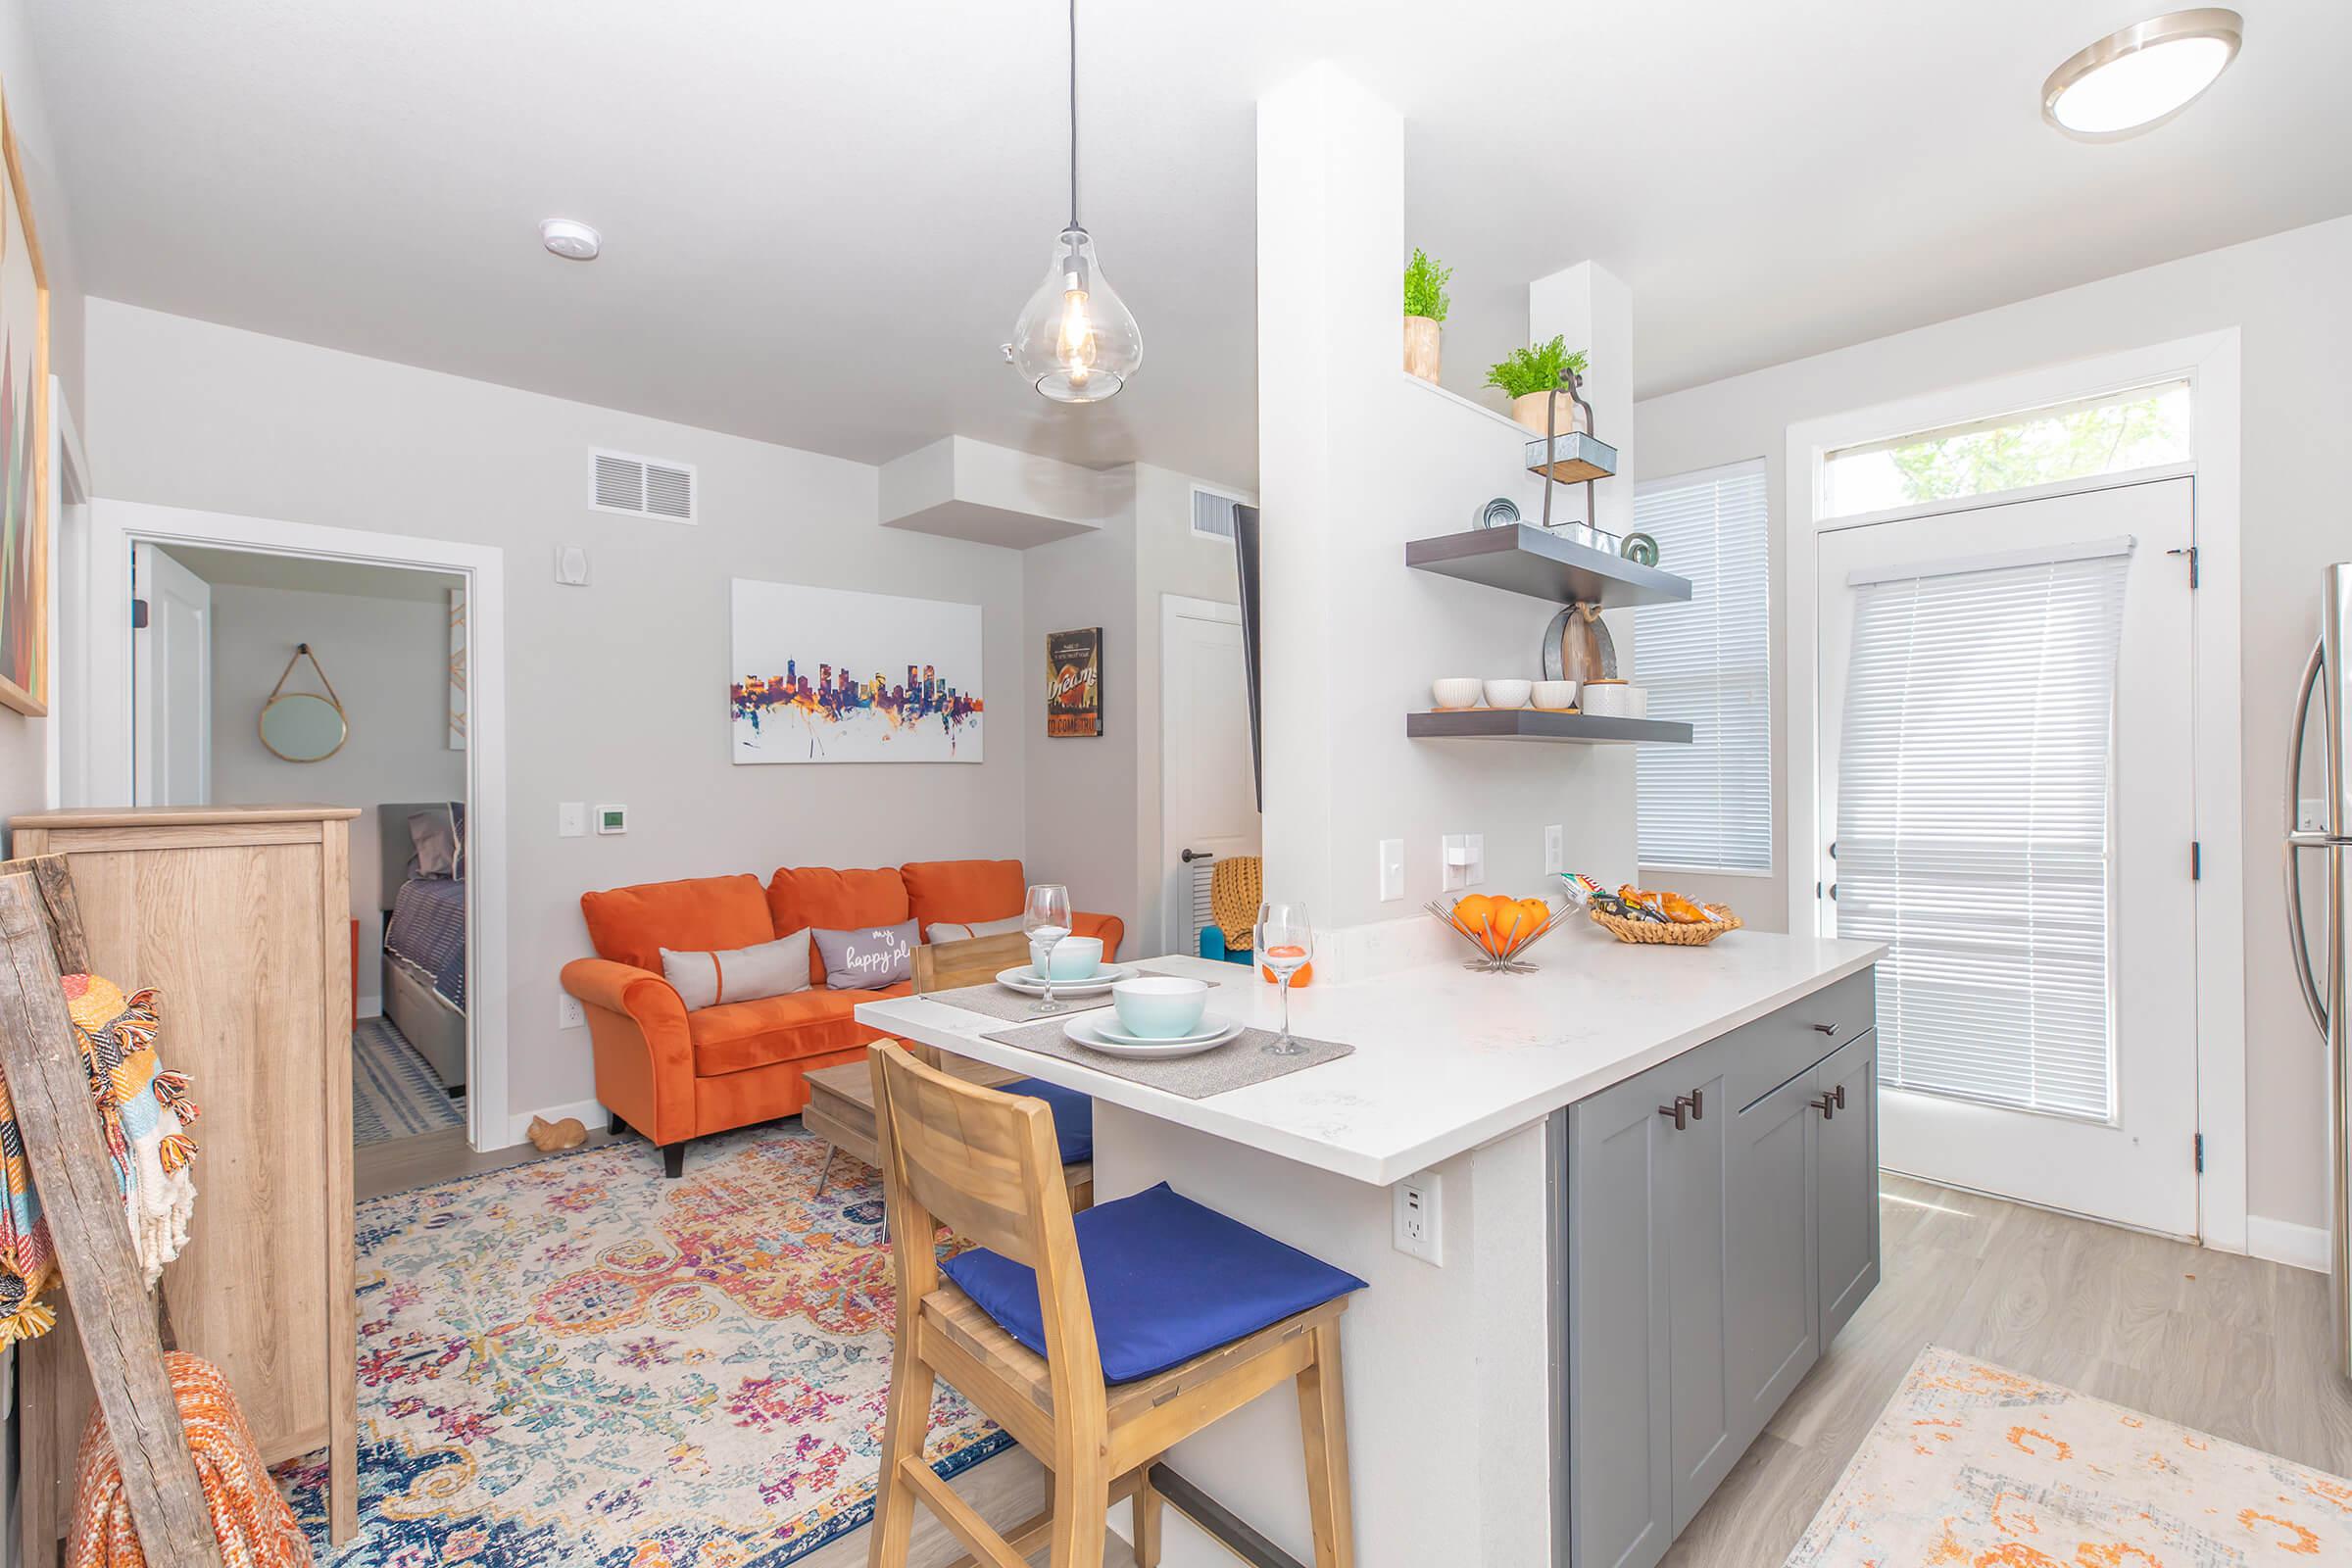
(944, 966)
(986, 1166)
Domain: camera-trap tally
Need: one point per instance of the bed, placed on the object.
(424, 942)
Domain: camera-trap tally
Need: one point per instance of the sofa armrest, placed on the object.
(643, 1056)
(1110, 928)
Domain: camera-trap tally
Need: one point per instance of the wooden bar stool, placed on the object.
(1193, 1315)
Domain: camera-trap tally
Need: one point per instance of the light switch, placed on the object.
(1555, 854)
(571, 818)
(1392, 869)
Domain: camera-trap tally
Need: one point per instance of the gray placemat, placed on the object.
(1236, 1064)
(993, 1000)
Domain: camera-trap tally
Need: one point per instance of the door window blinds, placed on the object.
(1972, 787)
(1708, 806)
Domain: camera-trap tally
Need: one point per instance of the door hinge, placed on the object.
(2191, 551)
(2196, 861)
(2200, 1153)
(138, 615)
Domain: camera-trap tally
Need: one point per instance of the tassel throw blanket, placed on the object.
(145, 1110)
(1233, 899)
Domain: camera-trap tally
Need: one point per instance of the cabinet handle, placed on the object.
(1839, 1096)
(1828, 1029)
(1698, 1104)
(1826, 1106)
(1679, 1111)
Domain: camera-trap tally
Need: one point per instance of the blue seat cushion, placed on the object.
(1073, 1115)
(1168, 1281)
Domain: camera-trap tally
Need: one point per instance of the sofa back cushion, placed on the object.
(966, 892)
(705, 913)
(803, 895)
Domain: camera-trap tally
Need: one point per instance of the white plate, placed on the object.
(1211, 1027)
(1084, 1031)
(1029, 983)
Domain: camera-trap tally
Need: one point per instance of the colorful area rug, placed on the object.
(1972, 1466)
(394, 1092)
(576, 1363)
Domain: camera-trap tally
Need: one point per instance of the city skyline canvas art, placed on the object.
(834, 676)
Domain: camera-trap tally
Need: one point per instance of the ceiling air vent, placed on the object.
(1213, 513)
(640, 487)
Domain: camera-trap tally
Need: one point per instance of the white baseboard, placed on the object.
(371, 1005)
(591, 1113)
(2301, 1245)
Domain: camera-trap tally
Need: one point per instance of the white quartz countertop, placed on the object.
(1445, 1059)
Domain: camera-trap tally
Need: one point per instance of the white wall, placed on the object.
(616, 690)
(2287, 295)
(388, 659)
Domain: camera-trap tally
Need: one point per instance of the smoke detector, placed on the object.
(571, 239)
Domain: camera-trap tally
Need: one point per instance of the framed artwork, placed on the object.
(23, 443)
(456, 669)
(1074, 683)
(830, 675)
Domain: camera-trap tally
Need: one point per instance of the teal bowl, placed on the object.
(1074, 957)
(1159, 1007)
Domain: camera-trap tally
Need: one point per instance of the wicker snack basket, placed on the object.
(1672, 933)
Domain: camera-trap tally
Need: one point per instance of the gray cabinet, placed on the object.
(1713, 1249)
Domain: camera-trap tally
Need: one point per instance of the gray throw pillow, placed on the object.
(434, 837)
(869, 959)
(741, 974)
(952, 931)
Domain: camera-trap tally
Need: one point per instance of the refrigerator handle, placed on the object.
(2298, 940)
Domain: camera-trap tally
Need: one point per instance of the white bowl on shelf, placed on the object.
(1553, 695)
(1614, 699)
(1456, 692)
(1508, 693)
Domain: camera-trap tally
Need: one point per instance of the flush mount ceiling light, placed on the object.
(2136, 79)
(571, 239)
(1075, 341)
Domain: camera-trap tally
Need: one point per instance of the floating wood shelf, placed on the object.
(1525, 559)
(1532, 724)
(1575, 458)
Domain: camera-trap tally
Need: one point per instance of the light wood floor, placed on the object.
(399, 1163)
(2224, 1344)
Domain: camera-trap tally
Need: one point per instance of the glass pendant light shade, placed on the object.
(1075, 341)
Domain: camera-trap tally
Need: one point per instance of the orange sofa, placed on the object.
(676, 1075)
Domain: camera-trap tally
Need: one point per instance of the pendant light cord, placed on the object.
(1073, 114)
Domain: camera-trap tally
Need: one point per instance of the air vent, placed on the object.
(1213, 513)
(640, 487)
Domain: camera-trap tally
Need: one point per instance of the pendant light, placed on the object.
(1075, 341)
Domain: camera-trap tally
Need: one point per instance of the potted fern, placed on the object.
(1424, 305)
(1529, 374)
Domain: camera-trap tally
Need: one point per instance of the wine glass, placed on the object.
(1286, 940)
(1047, 919)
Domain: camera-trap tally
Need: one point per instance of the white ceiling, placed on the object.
(820, 220)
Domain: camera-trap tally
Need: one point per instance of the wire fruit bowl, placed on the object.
(1498, 952)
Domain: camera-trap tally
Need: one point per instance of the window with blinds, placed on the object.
(1972, 787)
(1707, 807)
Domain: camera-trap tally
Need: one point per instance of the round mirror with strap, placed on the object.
(304, 726)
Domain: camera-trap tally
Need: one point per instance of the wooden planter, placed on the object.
(1421, 335)
(1528, 409)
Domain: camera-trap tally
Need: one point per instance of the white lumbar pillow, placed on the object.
(739, 974)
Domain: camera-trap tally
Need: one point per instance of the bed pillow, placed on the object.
(869, 958)
(434, 836)
(951, 931)
(741, 974)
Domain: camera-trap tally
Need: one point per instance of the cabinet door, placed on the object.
(1619, 1497)
(1704, 1442)
(1775, 1327)
(1846, 1180)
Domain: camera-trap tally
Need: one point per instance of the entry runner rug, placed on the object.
(394, 1092)
(1976, 1466)
(576, 1363)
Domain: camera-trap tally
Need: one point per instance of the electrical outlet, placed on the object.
(571, 818)
(1420, 1211)
(1392, 869)
(1462, 859)
(1555, 852)
(570, 1011)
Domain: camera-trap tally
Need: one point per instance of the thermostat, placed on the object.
(612, 819)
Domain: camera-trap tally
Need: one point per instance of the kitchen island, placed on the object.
(1647, 1205)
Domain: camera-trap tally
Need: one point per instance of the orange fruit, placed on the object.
(1474, 913)
(1533, 913)
(1508, 919)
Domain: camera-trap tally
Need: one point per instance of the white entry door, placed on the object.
(1208, 792)
(172, 683)
(2013, 748)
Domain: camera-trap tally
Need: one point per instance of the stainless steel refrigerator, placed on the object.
(2326, 976)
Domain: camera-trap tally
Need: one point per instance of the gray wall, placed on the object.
(616, 691)
(2287, 295)
(388, 659)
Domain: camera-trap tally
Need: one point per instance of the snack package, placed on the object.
(1580, 888)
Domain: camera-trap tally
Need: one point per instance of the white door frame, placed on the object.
(1172, 608)
(67, 731)
(2211, 364)
(105, 639)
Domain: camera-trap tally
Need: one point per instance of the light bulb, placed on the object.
(1075, 341)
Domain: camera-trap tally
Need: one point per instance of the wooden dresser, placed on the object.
(240, 918)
